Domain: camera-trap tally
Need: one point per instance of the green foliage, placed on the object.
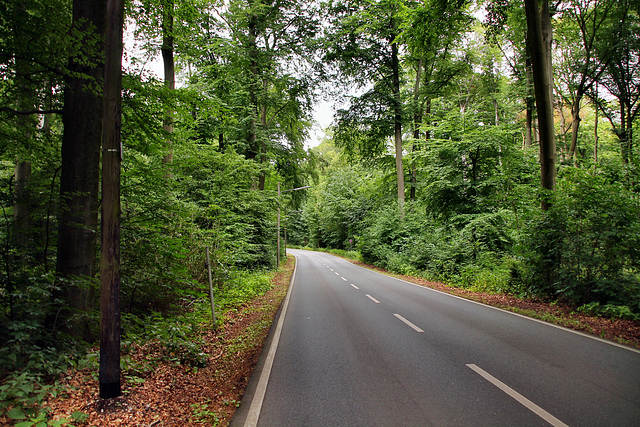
(585, 248)
(180, 338)
(608, 310)
(242, 286)
(180, 334)
(337, 206)
(202, 414)
(418, 243)
(21, 397)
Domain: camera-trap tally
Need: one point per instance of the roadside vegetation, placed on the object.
(445, 161)
(178, 370)
(622, 329)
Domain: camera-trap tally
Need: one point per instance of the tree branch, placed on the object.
(29, 112)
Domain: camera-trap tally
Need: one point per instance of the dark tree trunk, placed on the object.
(169, 76)
(82, 119)
(110, 260)
(539, 35)
(529, 100)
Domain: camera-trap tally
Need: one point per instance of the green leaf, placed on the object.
(16, 414)
(79, 416)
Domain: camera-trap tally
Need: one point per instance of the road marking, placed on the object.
(518, 397)
(411, 325)
(354, 286)
(261, 389)
(337, 274)
(372, 298)
(343, 279)
(542, 322)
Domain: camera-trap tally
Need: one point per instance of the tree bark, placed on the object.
(22, 207)
(79, 182)
(575, 122)
(595, 138)
(417, 121)
(539, 35)
(109, 375)
(167, 50)
(529, 100)
(397, 107)
(261, 142)
(252, 47)
(25, 126)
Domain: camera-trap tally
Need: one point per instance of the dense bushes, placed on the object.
(417, 243)
(586, 248)
(488, 233)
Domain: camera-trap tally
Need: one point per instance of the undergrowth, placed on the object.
(28, 383)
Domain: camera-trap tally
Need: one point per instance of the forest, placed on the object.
(487, 144)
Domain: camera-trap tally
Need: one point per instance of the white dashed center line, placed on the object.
(518, 397)
(372, 298)
(411, 325)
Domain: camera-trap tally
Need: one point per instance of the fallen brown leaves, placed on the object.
(177, 395)
(623, 331)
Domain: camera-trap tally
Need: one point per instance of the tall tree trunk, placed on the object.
(417, 121)
(169, 76)
(109, 377)
(261, 142)
(529, 101)
(496, 123)
(79, 182)
(626, 126)
(397, 107)
(563, 150)
(25, 126)
(595, 138)
(630, 116)
(22, 203)
(539, 34)
(252, 47)
(575, 122)
(22, 207)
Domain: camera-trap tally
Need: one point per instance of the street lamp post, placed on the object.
(280, 192)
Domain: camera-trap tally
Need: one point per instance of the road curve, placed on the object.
(352, 347)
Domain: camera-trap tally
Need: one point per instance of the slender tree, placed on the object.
(431, 33)
(620, 44)
(364, 44)
(582, 24)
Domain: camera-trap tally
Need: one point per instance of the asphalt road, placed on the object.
(356, 348)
